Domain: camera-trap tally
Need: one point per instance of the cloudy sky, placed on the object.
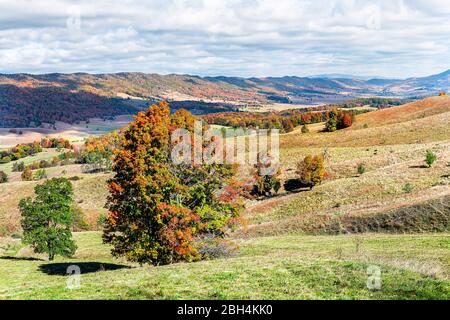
(392, 38)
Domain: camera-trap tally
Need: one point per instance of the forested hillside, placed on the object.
(27, 100)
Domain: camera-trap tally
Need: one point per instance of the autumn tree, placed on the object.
(267, 176)
(288, 126)
(338, 120)
(183, 119)
(346, 120)
(157, 208)
(47, 219)
(332, 123)
(311, 170)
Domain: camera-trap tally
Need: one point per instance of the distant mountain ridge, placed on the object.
(348, 76)
(27, 99)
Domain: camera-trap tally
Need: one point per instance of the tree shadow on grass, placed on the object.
(295, 186)
(21, 258)
(62, 269)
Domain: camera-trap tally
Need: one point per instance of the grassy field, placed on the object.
(46, 154)
(286, 267)
(284, 252)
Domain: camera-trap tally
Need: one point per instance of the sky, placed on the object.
(388, 38)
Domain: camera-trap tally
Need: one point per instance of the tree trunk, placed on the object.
(51, 255)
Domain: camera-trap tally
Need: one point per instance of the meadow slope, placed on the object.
(391, 147)
(287, 267)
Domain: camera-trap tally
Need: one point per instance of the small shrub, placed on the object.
(101, 220)
(5, 159)
(27, 174)
(213, 247)
(44, 164)
(3, 177)
(430, 158)
(3, 231)
(365, 126)
(408, 187)
(18, 166)
(305, 129)
(16, 236)
(361, 168)
(40, 174)
(79, 222)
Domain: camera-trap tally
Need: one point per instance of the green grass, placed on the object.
(288, 267)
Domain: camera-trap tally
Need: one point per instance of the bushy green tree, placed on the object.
(47, 219)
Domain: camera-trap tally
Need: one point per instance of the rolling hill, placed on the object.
(28, 100)
(391, 144)
(309, 244)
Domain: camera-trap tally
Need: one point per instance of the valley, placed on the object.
(307, 244)
(77, 97)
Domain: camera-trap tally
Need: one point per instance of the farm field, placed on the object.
(76, 133)
(309, 244)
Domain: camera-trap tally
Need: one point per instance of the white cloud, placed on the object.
(234, 37)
